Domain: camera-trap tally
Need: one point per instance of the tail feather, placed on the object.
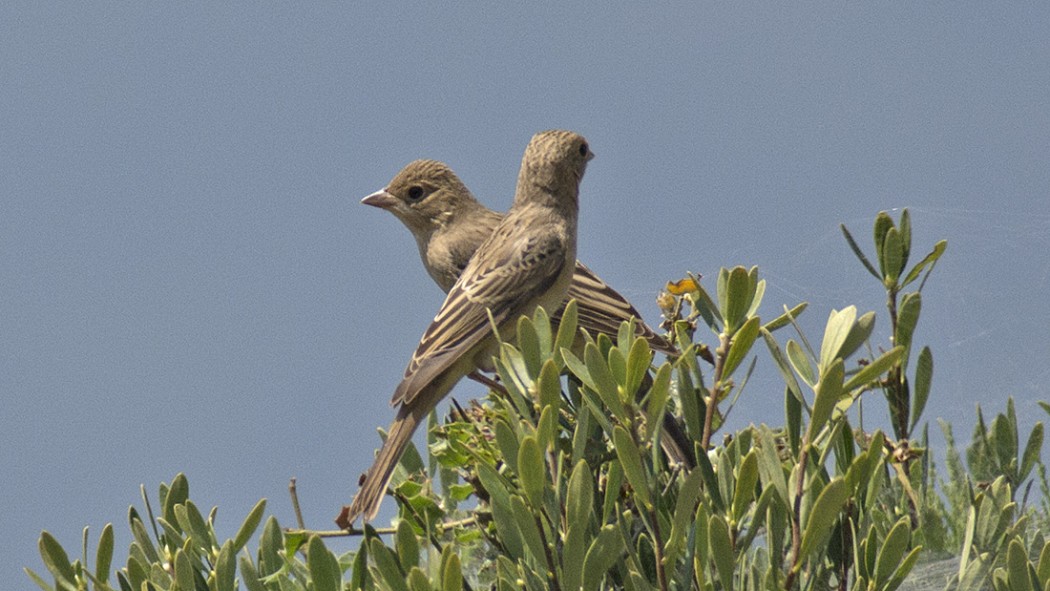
(366, 502)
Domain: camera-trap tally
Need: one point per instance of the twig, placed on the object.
(294, 493)
(716, 390)
(484, 380)
(339, 533)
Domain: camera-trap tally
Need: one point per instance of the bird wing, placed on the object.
(510, 271)
(602, 309)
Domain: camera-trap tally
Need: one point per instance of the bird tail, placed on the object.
(366, 502)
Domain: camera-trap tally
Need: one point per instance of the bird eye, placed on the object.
(415, 193)
(583, 149)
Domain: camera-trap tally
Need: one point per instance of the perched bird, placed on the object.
(449, 224)
(526, 262)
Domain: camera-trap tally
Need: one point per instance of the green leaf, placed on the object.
(630, 459)
(566, 329)
(183, 572)
(840, 323)
(138, 531)
(858, 335)
(893, 548)
(703, 463)
(192, 522)
(40, 582)
(578, 368)
(747, 478)
(56, 560)
(384, 559)
(690, 398)
(638, 360)
(407, 545)
(614, 480)
(923, 379)
(685, 507)
(604, 552)
(529, 345)
(271, 543)
(883, 224)
(658, 396)
(829, 390)
(251, 523)
(545, 427)
(928, 261)
(892, 256)
(782, 365)
(703, 304)
(1043, 570)
(625, 334)
(1032, 451)
(510, 365)
(417, 579)
(800, 363)
(860, 255)
(905, 231)
(507, 525)
(530, 533)
(549, 386)
(758, 291)
(785, 318)
(541, 323)
(908, 317)
(451, 573)
(579, 496)
(736, 300)
(740, 346)
(905, 567)
(531, 471)
(617, 363)
(822, 516)
(226, 568)
(605, 384)
(1017, 566)
(176, 495)
(721, 550)
(249, 576)
(769, 466)
(871, 372)
(494, 484)
(137, 572)
(104, 554)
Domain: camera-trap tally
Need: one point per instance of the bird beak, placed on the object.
(380, 199)
(590, 155)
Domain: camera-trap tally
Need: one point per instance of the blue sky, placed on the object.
(188, 282)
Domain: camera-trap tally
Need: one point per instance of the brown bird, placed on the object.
(449, 224)
(526, 262)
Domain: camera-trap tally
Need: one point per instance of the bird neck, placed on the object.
(546, 190)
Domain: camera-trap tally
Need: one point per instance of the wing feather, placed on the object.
(512, 269)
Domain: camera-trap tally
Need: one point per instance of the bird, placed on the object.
(526, 262)
(449, 224)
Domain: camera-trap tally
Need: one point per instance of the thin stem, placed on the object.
(796, 518)
(294, 493)
(484, 380)
(551, 569)
(716, 389)
(347, 533)
(658, 542)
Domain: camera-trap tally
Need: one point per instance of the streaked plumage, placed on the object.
(449, 224)
(526, 262)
